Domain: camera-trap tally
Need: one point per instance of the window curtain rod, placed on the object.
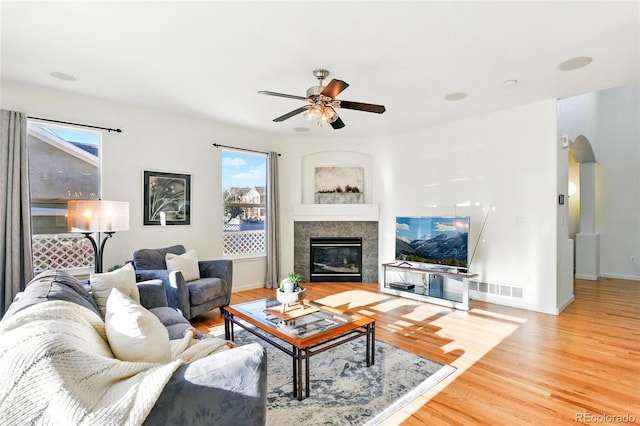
(217, 145)
(76, 124)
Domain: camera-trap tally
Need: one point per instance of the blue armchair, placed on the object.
(212, 290)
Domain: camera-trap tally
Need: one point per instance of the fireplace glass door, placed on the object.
(336, 259)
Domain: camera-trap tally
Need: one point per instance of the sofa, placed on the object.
(194, 286)
(226, 387)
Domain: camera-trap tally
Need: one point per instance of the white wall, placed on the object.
(152, 140)
(503, 164)
(609, 119)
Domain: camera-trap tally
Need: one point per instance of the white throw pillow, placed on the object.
(124, 279)
(186, 263)
(134, 333)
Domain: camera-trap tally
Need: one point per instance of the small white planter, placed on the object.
(290, 298)
(288, 285)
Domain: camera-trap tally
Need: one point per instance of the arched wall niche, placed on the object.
(582, 150)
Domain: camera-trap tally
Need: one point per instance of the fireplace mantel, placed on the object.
(335, 212)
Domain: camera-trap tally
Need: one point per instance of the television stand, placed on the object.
(439, 285)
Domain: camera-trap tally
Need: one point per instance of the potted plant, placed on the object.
(290, 284)
(290, 291)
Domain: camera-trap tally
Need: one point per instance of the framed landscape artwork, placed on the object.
(339, 185)
(167, 198)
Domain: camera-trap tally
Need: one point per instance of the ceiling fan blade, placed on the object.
(282, 95)
(379, 109)
(338, 124)
(290, 114)
(334, 88)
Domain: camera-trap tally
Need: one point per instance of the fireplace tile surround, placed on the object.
(303, 231)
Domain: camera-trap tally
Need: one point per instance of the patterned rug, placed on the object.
(344, 391)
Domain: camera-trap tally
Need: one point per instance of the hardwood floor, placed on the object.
(513, 366)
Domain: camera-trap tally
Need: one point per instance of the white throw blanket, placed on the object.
(56, 368)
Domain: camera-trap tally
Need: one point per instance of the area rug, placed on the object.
(344, 391)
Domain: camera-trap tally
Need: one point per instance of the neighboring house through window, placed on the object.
(64, 164)
(244, 177)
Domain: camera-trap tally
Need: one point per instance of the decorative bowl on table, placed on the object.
(291, 297)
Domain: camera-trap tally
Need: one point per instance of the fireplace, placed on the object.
(335, 259)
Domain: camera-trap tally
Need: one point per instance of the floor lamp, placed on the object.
(96, 217)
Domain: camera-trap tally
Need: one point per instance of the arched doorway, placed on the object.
(587, 246)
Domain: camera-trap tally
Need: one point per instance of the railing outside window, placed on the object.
(66, 252)
(244, 243)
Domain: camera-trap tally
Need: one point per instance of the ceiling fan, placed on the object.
(323, 103)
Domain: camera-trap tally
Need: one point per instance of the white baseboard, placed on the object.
(510, 302)
(586, 277)
(249, 286)
(565, 304)
(621, 276)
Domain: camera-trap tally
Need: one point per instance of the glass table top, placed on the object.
(302, 326)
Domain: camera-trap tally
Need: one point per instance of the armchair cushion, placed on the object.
(187, 263)
(205, 289)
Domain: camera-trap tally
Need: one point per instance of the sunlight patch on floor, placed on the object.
(497, 315)
(395, 328)
(366, 312)
(393, 304)
(403, 324)
(352, 298)
(424, 313)
(473, 339)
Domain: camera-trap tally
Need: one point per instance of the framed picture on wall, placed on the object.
(167, 198)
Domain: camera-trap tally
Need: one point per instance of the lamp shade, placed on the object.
(97, 216)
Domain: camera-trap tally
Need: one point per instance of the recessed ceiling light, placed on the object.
(456, 96)
(300, 129)
(62, 76)
(510, 83)
(575, 63)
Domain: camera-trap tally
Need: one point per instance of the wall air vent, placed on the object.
(498, 289)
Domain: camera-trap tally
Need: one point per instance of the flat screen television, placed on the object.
(433, 240)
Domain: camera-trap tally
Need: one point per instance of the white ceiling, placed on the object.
(209, 59)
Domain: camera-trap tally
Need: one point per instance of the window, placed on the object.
(64, 164)
(244, 179)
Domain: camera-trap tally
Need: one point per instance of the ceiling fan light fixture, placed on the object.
(321, 114)
(314, 113)
(330, 115)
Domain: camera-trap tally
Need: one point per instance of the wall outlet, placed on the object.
(632, 259)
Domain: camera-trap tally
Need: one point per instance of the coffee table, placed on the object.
(308, 335)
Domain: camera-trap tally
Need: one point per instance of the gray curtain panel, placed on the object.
(15, 219)
(273, 224)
